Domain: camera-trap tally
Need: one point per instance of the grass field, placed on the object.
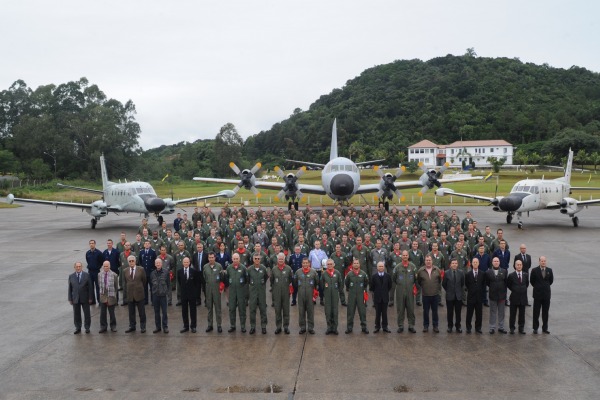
(191, 189)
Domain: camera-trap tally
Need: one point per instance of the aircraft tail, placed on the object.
(334, 150)
(105, 181)
(567, 177)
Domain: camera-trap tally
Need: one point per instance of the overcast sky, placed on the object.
(191, 66)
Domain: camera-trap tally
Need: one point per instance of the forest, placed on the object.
(52, 130)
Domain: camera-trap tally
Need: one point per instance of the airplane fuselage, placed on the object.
(137, 197)
(534, 194)
(340, 179)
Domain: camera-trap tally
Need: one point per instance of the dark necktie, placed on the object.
(520, 280)
(79, 277)
(131, 273)
(186, 274)
(475, 275)
(543, 272)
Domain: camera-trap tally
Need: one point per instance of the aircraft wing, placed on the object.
(222, 193)
(81, 189)
(82, 206)
(588, 202)
(449, 192)
(304, 188)
(310, 164)
(374, 187)
(584, 188)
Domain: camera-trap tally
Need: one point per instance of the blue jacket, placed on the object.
(94, 260)
(113, 258)
(504, 261)
(147, 260)
(296, 261)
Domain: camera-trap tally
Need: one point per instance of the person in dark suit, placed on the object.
(147, 257)
(136, 281)
(453, 283)
(503, 255)
(495, 279)
(199, 259)
(541, 279)
(189, 283)
(475, 283)
(381, 284)
(80, 296)
(525, 259)
(518, 281)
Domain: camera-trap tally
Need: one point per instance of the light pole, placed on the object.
(53, 155)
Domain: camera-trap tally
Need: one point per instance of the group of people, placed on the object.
(403, 257)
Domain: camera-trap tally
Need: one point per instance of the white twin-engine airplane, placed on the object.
(340, 180)
(134, 197)
(535, 194)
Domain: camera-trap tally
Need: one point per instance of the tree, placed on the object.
(595, 159)
(496, 162)
(228, 147)
(8, 162)
(581, 157)
(38, 170)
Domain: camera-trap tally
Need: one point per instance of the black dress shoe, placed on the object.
(252, 331)
(492, 331)
(302, 331)
(311, 331)
(232, 329)
(156, 330)
(512, 331)
(103, 330)
(193, 330)
(328, 332)
(386, 330)
(286, 330)
(468, 331)
(166, 330)
(503, 331)
(441, 305)
(335, 332)
(77, 332)
(400, 330)
(264, 331)
(391, 305)
(535, 331)
(113, 329)
(436, 330)
(87, 330)
(425, 330)
(219, 329)
(412, 330)
(178, 303)
(277, 331)
(293, 303)
(143, 330)
(124, 305)
(376, 330)
(478, 331)
(458, 330)
(348, 331)
(522, 332)
(169, 303)
(209, 329)
(344, 304)
(419, 303)
(449, 330)
(243, 330)
(365, 331)
(184, 330)
(546, 331)
(129, 330)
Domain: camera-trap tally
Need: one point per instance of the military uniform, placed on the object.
(213, 277)
(237, 281)
(332, 286)
(405, 277)
(280, 284)
(257, 280)
(363, 255)
(356, 284)
(306, 283)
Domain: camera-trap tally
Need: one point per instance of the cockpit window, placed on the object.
(334, 167)
(349, 168)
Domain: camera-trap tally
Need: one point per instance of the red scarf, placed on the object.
(359, 248)
(330, 272)
(127, 252)
(280, 266)
(241, 251)
(306, 271)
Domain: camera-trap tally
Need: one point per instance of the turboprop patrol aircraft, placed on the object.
(535, 194)
(135, 197)
(340, 180)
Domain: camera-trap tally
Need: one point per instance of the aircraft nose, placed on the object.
(154, 204)
(510, 203)
(342, 185)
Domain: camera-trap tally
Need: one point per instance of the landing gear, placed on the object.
(94, 222)
(385, 203)
(575, 221)
(509, 218)
(160, 219)
(520, 225)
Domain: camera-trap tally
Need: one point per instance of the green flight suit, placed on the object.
(280, 283)
(213, 276)
(333, 288)
(341, 262)
(363, 256)
(237, 281)
(257, 280)
(356, 286)
(405, 278)
(306, 283)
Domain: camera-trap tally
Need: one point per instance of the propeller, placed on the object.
(247, 178)
(386, 187)
(290, 190)
(495, 201)
(430, 177)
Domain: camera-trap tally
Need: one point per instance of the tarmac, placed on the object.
(40, 358)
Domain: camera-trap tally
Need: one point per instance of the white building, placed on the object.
(476, 151)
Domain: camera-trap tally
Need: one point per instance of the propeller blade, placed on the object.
(255, 191)
(299, 194)
(281, 194)
(423, 168)
(400, 171)
(236, 188)
(379, 171)
(423, 190)
(279, 172)
(399, 195)
(234, 168)
(255, 168)
(300, 172)
(380, 193)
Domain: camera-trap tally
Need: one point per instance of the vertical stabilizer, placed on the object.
(334, 152)
(567, 177)
(105, 181)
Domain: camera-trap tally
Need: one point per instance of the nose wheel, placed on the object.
(575, 221)
(385, 203)
(509, 218)
(159, 219)
(94, 222)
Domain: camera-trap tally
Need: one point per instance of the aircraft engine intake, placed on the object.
(98, 209)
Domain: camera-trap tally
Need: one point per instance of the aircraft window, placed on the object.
(526, 188)
(534, 189)
(328, 169)
(355, 168)
(334, 167)
(349, 168)
(140, 190)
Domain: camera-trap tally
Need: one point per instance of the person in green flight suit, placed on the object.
(257, 279)
(214, 276)
(357, 283)
(281, 279)
(405, 276)
(332, 286)
(306, 280)
(237, 281)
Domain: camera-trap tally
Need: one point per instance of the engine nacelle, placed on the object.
(98, 209)
(568, 205)
(169, 207)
